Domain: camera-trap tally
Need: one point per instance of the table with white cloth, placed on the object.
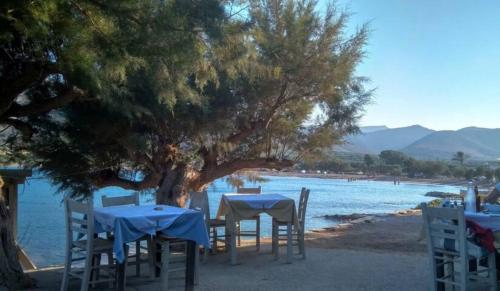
(236, 207)
(129, 223)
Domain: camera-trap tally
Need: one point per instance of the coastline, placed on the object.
(355, 177)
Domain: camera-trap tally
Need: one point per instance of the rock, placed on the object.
(438, 194)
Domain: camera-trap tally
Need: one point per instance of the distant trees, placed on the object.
(497, 174)
(459, 157)
(395, 163)
(390, 157)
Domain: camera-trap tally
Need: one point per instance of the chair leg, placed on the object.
(96, 271)
(87, 271)
(257, 233)
(492, 274)
(214, 244)
(138, 258)
(238, 229)
(67, 269)
(165, 257)
(273, 235)
(302, 245)
(110, 263)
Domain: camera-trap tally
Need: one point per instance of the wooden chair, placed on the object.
(298, 236)
(81, 240)
(133, 199)
(451, 253)
(199, 201)
(249, 233)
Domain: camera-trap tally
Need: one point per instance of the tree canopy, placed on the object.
(175, 94)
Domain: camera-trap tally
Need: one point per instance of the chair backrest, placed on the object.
(79, 220)
(199, 201)
(120, 200)
(446, 233)
(241, 190)
(304, 197)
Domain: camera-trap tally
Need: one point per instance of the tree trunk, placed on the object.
(173, 188)
(11, 272)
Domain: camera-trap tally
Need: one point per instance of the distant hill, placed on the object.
(424, 143)
(477, 143)
(368, 129)
(375, 141)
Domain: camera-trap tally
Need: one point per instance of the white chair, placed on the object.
(133, 199)
(450, 252)
(81, 240)
(199, 201)
(249, 233)
(298, 236)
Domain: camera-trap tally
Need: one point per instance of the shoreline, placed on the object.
(355, 177)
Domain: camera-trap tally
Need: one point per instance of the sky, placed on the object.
(433, 62)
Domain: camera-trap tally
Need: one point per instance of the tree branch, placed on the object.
(230, 167)
(105, 178)
(44, 105)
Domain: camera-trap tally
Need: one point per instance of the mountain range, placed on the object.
(482, 144)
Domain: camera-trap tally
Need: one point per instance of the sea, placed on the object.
(41, 215)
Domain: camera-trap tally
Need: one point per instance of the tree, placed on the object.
(390, 157)
(54, 53)
(178, 124)
(460, 157)
(369, 161)
(497, 174)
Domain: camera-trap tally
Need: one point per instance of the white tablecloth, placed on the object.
(486, 220)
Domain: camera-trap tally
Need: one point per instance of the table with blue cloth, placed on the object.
(235, 207)
(129, 223)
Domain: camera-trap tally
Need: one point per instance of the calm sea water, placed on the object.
(41, 215)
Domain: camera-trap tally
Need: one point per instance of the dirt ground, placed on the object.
(396, 233)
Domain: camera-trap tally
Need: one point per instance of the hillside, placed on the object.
(424, 143)
(477, 143)
(375, 141)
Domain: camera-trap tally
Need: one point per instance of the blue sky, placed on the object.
(434, 62)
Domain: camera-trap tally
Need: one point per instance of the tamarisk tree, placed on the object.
(57, 52)
(264, 87)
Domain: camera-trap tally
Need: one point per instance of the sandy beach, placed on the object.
(382, 178)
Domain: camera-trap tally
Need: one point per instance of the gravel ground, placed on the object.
(383, 254)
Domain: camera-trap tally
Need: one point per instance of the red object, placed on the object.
(484, 235)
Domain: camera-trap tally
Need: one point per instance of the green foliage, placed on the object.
(390, 157)
(497, 174)
(369, 160)
(459, 157)
(181, 93)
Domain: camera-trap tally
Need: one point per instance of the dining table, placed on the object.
(130, 223)
(235, 207)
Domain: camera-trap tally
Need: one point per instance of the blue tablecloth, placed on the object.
(257, 201)
(129, 223)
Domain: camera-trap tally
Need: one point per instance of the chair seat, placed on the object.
(100, 244)
(217, 222)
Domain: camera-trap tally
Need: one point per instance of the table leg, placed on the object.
(289, 247)
(190, 264)
(275, 240)
(233, 243)
(121, 269)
